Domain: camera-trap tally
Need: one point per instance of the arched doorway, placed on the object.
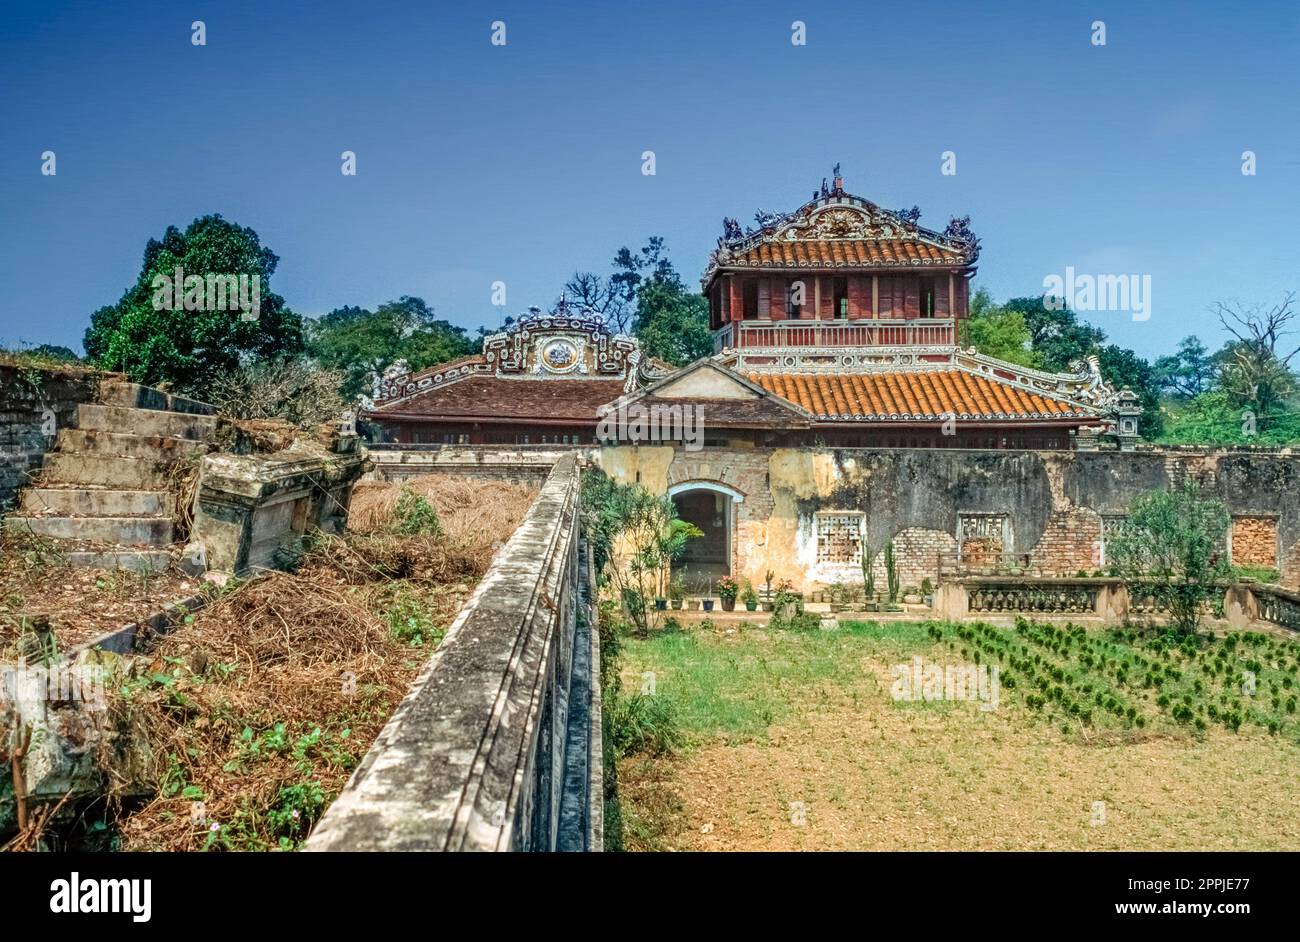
(711, 507)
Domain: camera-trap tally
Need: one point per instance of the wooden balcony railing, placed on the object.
(748, 335)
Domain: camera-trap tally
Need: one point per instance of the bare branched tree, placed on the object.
(1256, 369)
(605, 296)
(1259, 329)
(290, 390)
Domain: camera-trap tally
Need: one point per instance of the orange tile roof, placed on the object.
(845, 254)
(918, 394)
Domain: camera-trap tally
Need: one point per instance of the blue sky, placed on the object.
(522, 163)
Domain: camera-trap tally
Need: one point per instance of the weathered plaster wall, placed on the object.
(1054, 500)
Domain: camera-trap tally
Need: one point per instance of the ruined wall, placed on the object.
(34, 405)
(1048, 507)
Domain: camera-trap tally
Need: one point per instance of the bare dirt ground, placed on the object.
(80, 603)
(847, 768)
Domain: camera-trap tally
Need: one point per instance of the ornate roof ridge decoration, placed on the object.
(568, 342)
(398, 382)
(835, 215)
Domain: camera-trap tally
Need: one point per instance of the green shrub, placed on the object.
(644, 724)
(413, 515)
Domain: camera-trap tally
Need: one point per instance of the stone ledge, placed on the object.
(468, 760)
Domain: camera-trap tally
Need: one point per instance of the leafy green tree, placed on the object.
(154, 344)
(1027, 332)
(671, 321)
(1057, 337)
(993, 330)
(361, 343)
(1172, 546)
(1213, 418)
(1189, 371)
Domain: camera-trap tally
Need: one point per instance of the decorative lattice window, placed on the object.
(839, 538)
(982, 538)
(1111, 527)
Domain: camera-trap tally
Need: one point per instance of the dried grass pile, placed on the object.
(259, 708)
(477, 517)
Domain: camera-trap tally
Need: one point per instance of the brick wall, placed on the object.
(1055, 502)
(917, 551)
(1071, 541)
(1254, 541)
(33, 402)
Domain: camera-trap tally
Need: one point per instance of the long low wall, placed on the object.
(497, 746)
(515, 463)
(780, 507)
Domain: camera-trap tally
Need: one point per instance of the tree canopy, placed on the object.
(1172, 545)
(360, 343)
(1027, 332)
(155, 342)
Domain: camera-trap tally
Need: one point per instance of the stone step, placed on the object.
(117, 392)
(124, 420)
(86, 441)
(125, 531)
(134, 560)
(94, 502)
(104, 471)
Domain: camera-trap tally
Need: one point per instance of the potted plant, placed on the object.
(839, 598)
(788, 602)
(676, 592)
(927, 591)
(769, 600)
(693, 604)
(750, 597)
(704, 590)
(661, 603)
(728, 589)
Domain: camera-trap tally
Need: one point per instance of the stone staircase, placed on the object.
(104, 495)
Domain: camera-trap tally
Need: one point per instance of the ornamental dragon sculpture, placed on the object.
(1088, 384)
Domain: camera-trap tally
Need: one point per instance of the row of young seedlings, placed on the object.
(1112, 657)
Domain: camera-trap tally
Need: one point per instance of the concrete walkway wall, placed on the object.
(497, 745)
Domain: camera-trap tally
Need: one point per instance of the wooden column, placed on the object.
(875, 296)
(817, 297)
